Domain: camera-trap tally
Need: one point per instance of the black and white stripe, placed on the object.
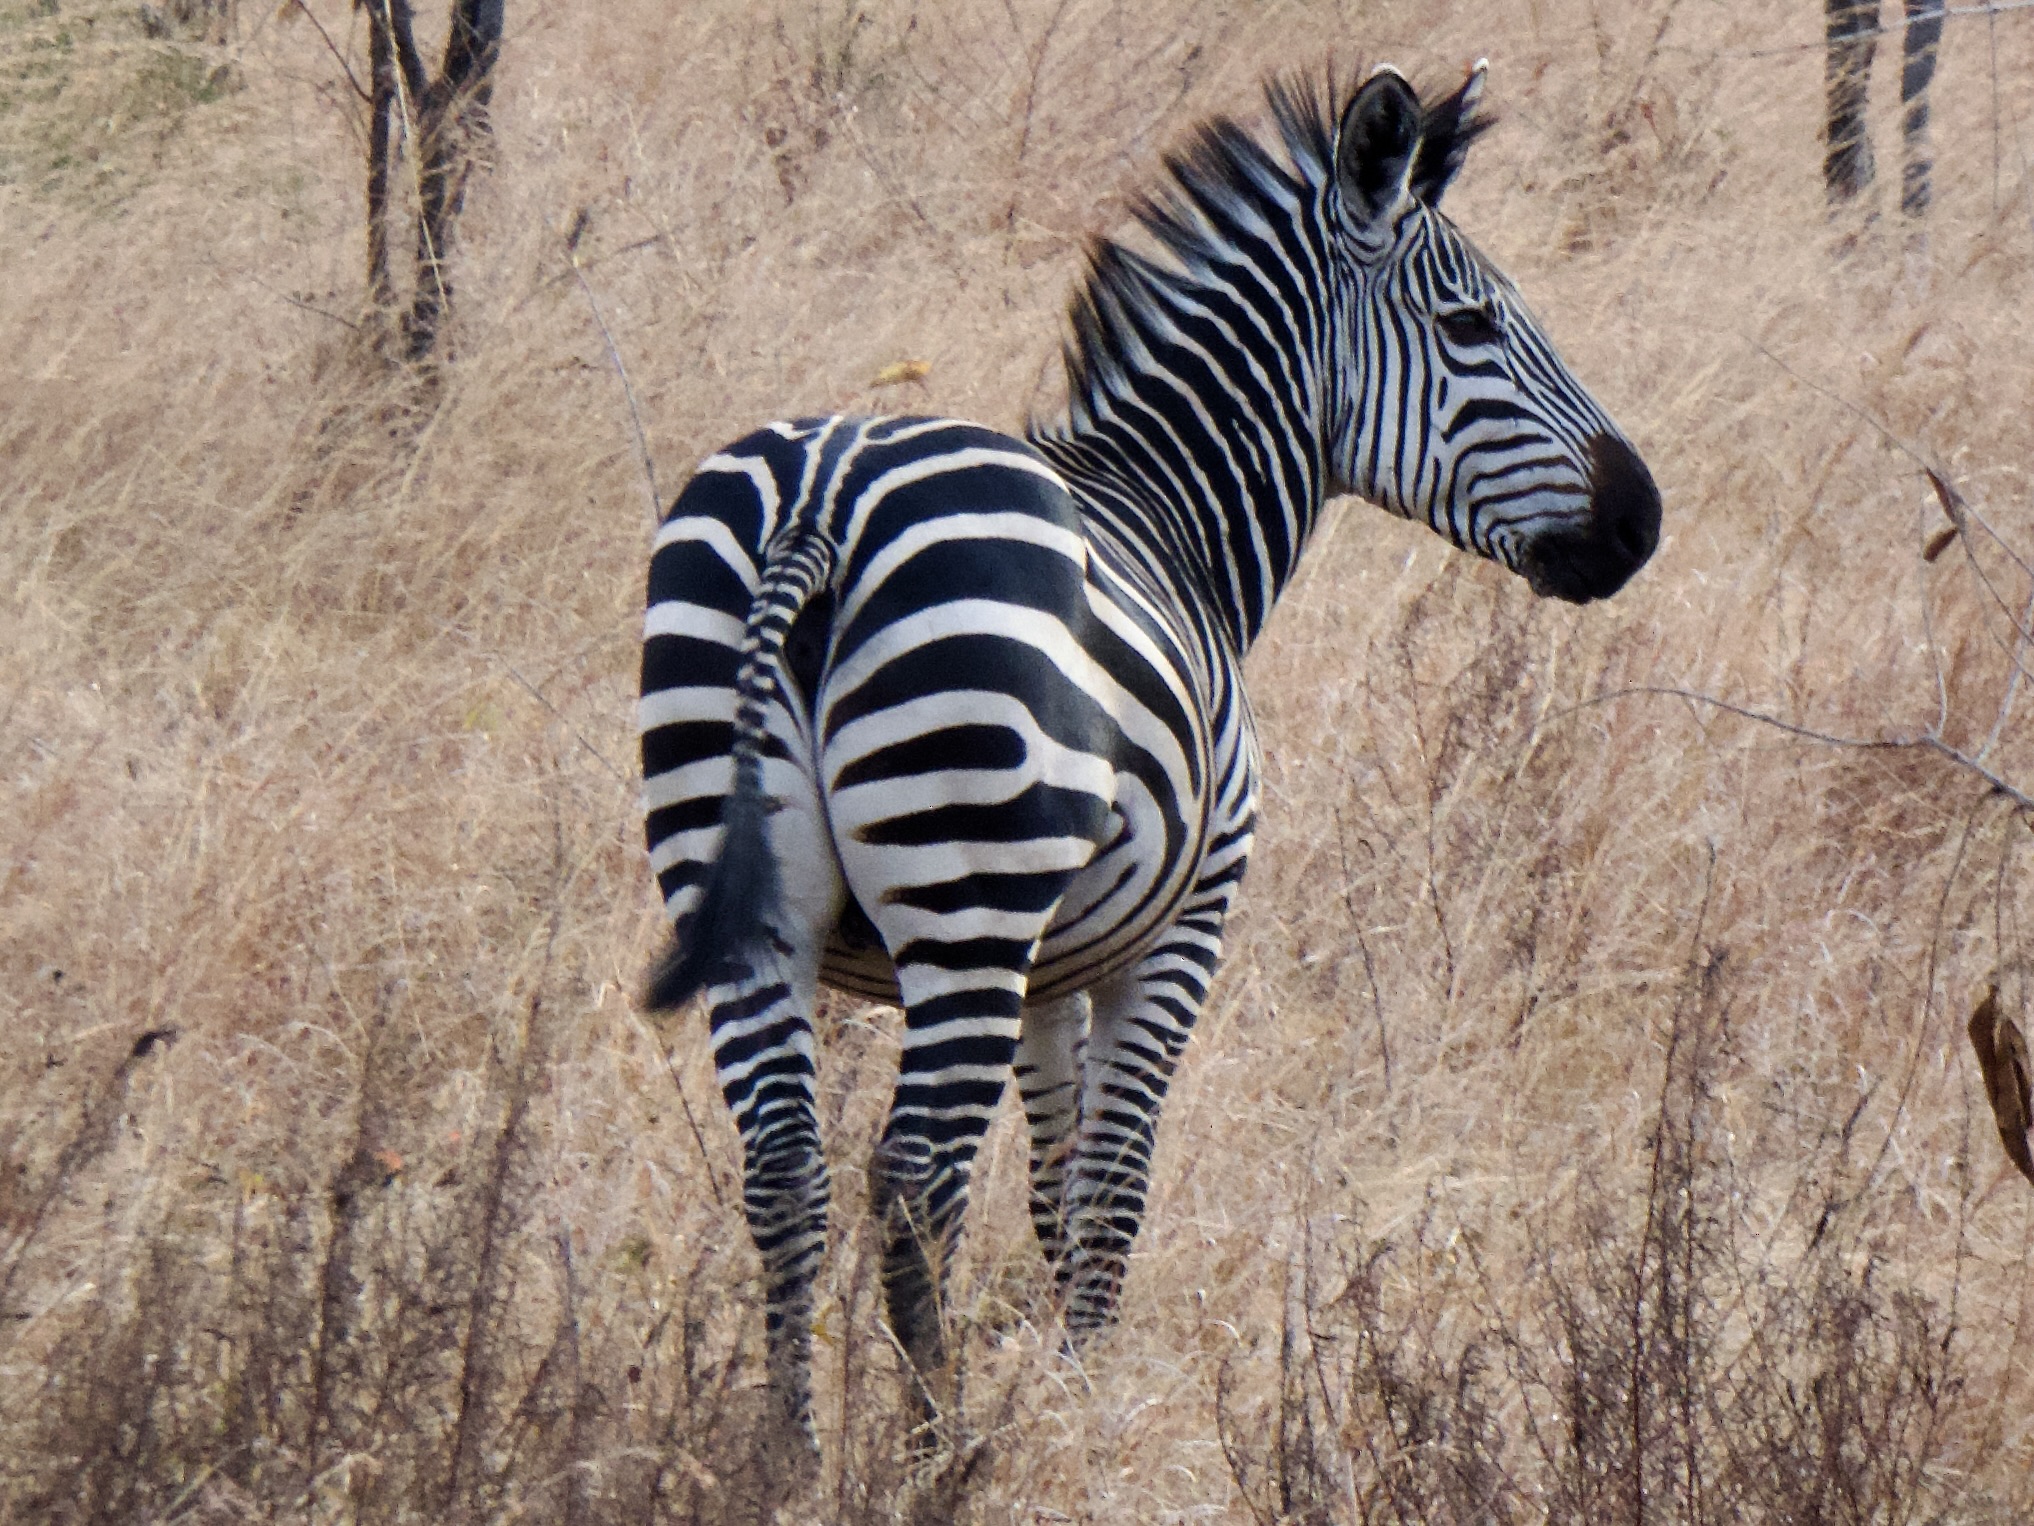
(1852, 33)
(938, 715)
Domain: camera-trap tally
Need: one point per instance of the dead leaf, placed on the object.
(147, 1044)
(898, 372)
(1950, 499)
(2002, 1058)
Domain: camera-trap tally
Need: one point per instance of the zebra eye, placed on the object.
(1468, 327)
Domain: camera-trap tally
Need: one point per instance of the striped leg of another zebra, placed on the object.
(1852, 29)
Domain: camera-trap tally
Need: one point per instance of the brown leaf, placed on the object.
(2002, 1058)
(1938, 543)
(1950, 499)
(147, 1044)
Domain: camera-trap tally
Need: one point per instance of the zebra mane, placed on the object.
(1226, 188)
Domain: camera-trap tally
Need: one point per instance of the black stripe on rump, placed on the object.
(682, 816)
(975, 748)
(984, 663)
(995, 486)
(731, 497)
(685, 662)
(693, 573)
(1062, 710)
(678, 743)
(1017, 893)
(966, 954)
(686, 872)
(1041, 811)
(1019, 574)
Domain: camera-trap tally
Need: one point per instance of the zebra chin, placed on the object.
(1596, 556)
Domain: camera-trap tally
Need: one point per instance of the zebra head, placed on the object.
(1457, 410)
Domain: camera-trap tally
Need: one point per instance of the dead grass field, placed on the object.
(1584, 1127)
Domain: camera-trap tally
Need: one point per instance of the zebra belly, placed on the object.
(859, 971)
(1073, 956)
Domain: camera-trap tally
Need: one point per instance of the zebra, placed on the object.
(1852, 34)
(948, 718)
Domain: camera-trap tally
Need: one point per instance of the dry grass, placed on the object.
(1583, 1128)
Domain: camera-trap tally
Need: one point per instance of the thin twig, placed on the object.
(897, 190)
(333, 48)
(628, 392)
(1954, 505)
(593, 264)
(309, 307)
(1864, 415)
(1363, 947)
(1949, 13)
(691, 1122)
(1935, 662)
(1031, 83)
(1929, 976)
(2012, 685)
(558, 715)
(1926, 742)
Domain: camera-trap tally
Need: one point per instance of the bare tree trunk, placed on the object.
(453, 120)
(381, 109)
(441, 120)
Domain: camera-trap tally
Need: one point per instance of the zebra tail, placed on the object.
(733, 928)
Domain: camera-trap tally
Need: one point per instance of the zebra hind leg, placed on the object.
(961, 1031)
(764, 1056)
(762, 1040)
(1142, 1021)
(1132, 1054)
(1851, 29)
(1049, 1081)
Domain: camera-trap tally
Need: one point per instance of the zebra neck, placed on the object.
(1211, 483)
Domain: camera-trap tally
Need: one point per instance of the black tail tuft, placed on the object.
(729, 930)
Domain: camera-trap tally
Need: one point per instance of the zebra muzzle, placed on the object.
(1596, 556)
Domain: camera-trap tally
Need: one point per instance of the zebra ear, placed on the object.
(1379, 138)
(1450, 127)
